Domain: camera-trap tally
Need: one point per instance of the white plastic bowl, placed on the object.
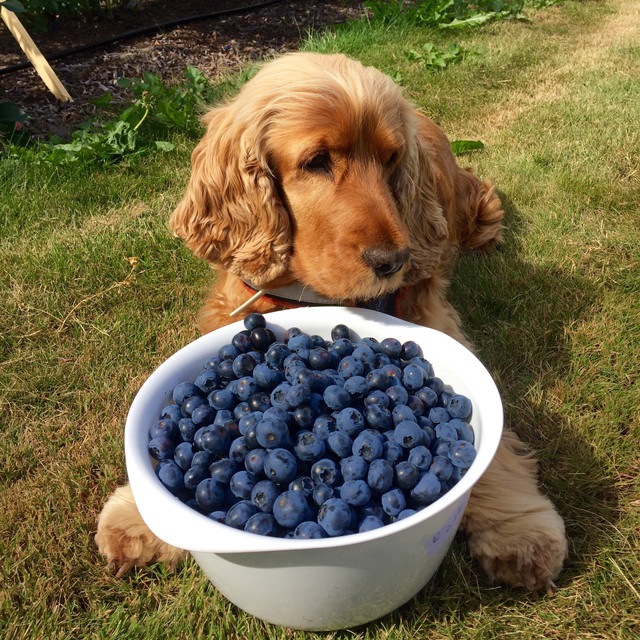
(325, 584)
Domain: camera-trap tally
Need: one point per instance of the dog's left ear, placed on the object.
(231, 214)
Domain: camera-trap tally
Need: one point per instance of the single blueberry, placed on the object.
(380, 475)
(263, 524)
(309, 530)
(253, 321)
(335, 517)
(238, 514)
(290, 509)
(210, 494)
(393, 502)
(264, 494)
(171, 475)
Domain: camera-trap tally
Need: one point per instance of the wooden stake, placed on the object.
(35, 57)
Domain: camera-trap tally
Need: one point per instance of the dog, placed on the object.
(321, 183)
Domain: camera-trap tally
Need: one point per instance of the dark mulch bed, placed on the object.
(216, 46)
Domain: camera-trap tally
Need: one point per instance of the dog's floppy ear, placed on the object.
(414, 186)
(231, 214)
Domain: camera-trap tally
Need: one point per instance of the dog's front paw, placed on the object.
(528, 551)
(124, 539)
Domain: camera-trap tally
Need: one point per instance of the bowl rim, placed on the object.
(188, 529)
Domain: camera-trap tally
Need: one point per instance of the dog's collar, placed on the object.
(298, 295)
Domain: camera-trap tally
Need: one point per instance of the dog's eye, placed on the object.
(392, 159)
(319, 162)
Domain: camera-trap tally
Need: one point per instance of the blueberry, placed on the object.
(280, 466)
(161, 448)
(185, 390)
(410, 349)
(340, 332)
(336, 398)
(401, 413)
(225, 370)
(216, 440)
(378, 417)
(350, 421)
(380, 475)
(304, 415)
(427, 489)
(266, 376)
(171, 475)
(355, 492)
(323, 425)
(222, 399)
(290, 509)
(442, 468)
(369, 523)
(238, 450)
(394, 374)
(183, 455)
(279, 395)
(228, 352)
(394, 452)
(335, 517)
(319, 358)
(300, 343)
(253, 321)
(264, 494)
(171, 412)
(377, 397)
(243, 366)
(378, 379)
(459, 407)
(408, 434)
(428, 396)
(309, 530)
(302, 483)
(365, 354)
(350, 366)
(446, 431)
(308, 446)
(210, 494)
(464, 430)
(246, 386)
(343, 347)
(201, 459)
(421, 457)
(242, 342)
(263, 524)
(398, 395)
(272, 433)
(435, 384)
(407, 474)
(321, 493)
(276, 354)
(297, 394)
(261, 338)
(354, 468)
(254, 462)
(203, 415)
(393, 502)
(391, 347)
(164, 429)
(238, 514)
(194, 475)
(241, 484)
(406, 513)
(357, 387)
(339, 443)
(462, 454)
(368, 444)
(259, 401)
(439, 414)
(325, 471)
(218, 516)
(222, 470)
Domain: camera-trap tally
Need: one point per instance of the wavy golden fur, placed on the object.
(321, 172)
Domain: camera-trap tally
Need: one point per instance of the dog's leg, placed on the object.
(124, 539)
(513, 530)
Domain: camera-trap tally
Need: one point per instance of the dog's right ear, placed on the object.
(231, 214)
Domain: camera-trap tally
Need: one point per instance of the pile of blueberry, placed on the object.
(308, 438)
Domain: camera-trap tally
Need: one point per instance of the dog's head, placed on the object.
(315, 172)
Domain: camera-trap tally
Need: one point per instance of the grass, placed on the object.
(96, 293)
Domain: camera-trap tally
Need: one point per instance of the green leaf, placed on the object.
(163, 145)
(103, 101)
(465, 146)
(473, 21)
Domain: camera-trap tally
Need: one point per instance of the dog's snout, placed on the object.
(385, 261)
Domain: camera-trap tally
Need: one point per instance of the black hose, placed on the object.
(152, 29)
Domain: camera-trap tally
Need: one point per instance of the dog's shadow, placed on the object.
(520, 315)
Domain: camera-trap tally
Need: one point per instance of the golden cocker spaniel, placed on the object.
(320, 182)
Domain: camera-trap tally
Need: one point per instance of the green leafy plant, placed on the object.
(158, 108)
(460, 147)
(433, 58)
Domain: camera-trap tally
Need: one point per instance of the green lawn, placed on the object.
(95, 294)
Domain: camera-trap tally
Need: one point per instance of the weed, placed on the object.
(433, 58)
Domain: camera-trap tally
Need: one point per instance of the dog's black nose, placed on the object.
(385, 261)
